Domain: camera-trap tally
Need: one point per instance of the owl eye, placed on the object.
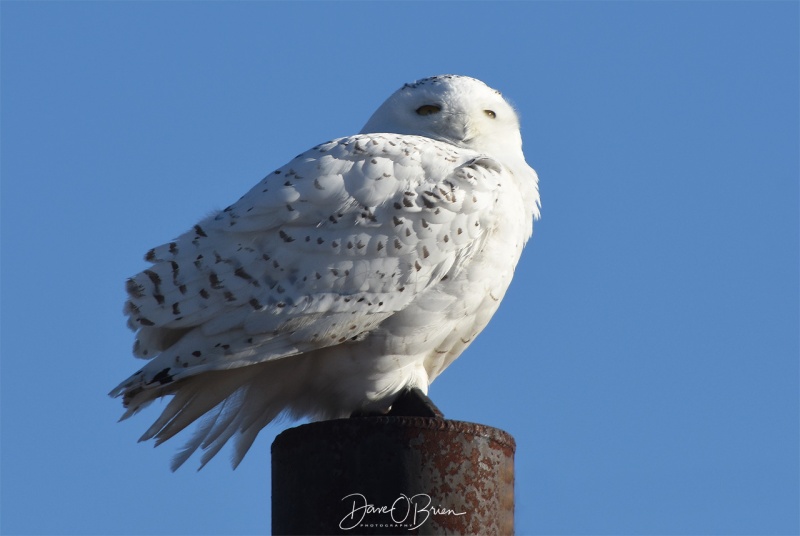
(428, 109)
(490, 113)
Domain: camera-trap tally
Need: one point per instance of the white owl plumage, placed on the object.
(361, 268)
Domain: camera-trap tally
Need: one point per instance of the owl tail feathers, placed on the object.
(235, 403)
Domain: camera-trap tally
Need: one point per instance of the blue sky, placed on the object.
(646, 356)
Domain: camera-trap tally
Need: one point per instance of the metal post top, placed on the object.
(357, 427)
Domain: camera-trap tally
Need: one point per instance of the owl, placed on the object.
(360, 269)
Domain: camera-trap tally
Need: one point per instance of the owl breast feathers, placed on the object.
(363, 267)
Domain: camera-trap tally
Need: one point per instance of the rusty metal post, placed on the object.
(393, 475)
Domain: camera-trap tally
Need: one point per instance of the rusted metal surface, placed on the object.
(393, 475)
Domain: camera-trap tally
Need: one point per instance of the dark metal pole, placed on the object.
(393, 475)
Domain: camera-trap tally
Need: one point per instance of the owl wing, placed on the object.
(318, 253)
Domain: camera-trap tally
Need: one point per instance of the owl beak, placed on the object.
(461, 127)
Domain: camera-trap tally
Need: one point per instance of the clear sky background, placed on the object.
(646, 355)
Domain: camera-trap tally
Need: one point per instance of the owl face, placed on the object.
(459, 110)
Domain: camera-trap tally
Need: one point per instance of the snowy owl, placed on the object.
(359, 270)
